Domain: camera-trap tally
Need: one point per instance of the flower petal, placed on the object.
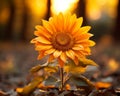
(76, 60)
(41, 55)
(50, 51)
(63, 57)
(48, 26)
(43, 47)
(60, 21)
(77, 47)
(70, 54)
(43, 40)
(71, 22)
(81, 30)
(77, 24)
(85, 29)
(92, 43)
(79, 54)
(83, 37)
(51, 58)
(61, 63)
(57, 53)
(42, 31)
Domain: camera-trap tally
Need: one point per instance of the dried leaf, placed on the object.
(50, 69)
(81, 81)
(100, 85)
(38, 67)
(84, 62)
(72, 68)
(31, 86)
(19, 90)
(50, 81)
(105, 92)
(3, 93)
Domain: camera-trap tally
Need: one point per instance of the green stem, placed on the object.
(62, 78)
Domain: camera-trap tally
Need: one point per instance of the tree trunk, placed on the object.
(116, 32)
(48, 10)
(23, 34)
(81, 10)
(9, 27)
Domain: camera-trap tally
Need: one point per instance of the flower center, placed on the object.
(62, 41)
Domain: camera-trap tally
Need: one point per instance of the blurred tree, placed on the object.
(116, 32)
(25, 16)
(81, 10)
(9, 26)
(48, 10)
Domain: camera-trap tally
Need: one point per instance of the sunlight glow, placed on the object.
(63, 6)
(96, 8)
(4, 16)
(38, 7)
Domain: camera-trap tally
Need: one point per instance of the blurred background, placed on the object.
(19, 17)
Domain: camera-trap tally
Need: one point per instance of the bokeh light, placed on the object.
(63, 6)
(96, 8)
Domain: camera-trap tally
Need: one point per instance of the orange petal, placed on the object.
(49, 51)
(79, 54)
(61, 63)
(48, 26)
(77, 25)
(83, 37)
(57, 53)
(41, 55)
(42, 31)
(63, 57)
(76, 60)
(87, 51)
(43, 47)
(92, 43)
(42, 39)
(82, 30)
(66, 21)
(60, 21)
(33, 41)
(77, 47)
(51, 58)
(85, 29)
(70, 54)
(71, 22)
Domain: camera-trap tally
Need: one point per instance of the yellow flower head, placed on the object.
(62, 38)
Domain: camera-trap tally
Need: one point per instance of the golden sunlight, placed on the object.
(38, 7)
(97, 8)
(63, 6)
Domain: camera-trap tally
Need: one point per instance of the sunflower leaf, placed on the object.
(72, 68)
(85, 62)
(28, 89)
(50, 69)
(38, 67)
(81, 81)
(50, 80)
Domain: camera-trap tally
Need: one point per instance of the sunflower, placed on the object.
(63, 38)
